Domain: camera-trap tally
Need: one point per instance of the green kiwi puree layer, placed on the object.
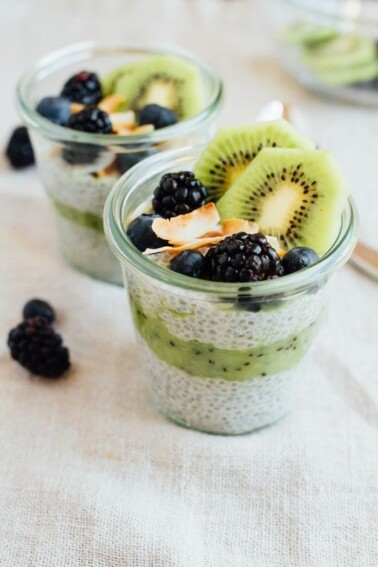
(207, 361)
(81, 218)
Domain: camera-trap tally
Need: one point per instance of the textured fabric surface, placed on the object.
(90, 474)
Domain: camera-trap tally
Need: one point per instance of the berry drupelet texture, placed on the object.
(84, 87)
(92, 120)
(178, 194)
(36, 346)
(243, 257)
(19, 150)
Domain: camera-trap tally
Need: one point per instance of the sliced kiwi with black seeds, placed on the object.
(295, 195)
(166, 80)
(344, 52)
(233, 149)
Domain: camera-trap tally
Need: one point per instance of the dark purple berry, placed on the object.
(55, 108)
(36, 346)
(243, 257)
(91, 119)
(19, 149)
(84, 87)
(178, 194)
(157, 115)
(298, 258)
(38, 308)
(141, 234)
(189, 263)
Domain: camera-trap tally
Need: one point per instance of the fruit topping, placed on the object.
(83, 87)
(168, 81)
(243, 257)
(36, 346)
(38, 308)
(187, 227)
(112, 103)
(231, 226)
(141, 234)
(55, 108)
(295, 195)
(298, 258)
(157, 115)
(127, 160)
(19, 149)
(189, 263)
(178, 194)
(233, 149)
(92, 120)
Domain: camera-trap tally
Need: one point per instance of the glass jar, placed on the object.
(330, 46)
(219, 357)
(76, 168)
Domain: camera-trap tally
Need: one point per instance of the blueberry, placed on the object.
(157, 115)
(128, 160)
(55, 108)
(76, 153)
(19, 150)
(141, 234)
(189, 263)
(38, 308)
(298, 258)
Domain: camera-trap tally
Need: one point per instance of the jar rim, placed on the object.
(332, 15)
(86, 50)
(116, 210)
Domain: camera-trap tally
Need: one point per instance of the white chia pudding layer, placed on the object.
(220, 406)
(216, 366)
(78, 198)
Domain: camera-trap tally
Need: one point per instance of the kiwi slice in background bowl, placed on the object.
(232, 150)
(166, 80)
(298, 196)
(345, 51)
(306, 34)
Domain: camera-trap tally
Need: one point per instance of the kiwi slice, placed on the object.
(350, 75)
(345, 51)
(233, 149)
(303, 33)
(163, 79)
(295, 195)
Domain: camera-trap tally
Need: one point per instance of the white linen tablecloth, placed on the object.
(90, 474)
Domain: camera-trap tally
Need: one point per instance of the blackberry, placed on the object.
(178, 194)
(243, 257)
(84, 87)
(91, 119)
(19, 150)
(159, 116)
(38, 308)
(36, 346)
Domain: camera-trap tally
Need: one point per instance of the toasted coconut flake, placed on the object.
(185, 228)
(273, 242)
(145, 129)
(232, 226)
(190, 245)
(107, 171)
(111, 103)
(76, 107)
(210, 234)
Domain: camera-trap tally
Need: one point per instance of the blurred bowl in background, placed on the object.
(330, 46)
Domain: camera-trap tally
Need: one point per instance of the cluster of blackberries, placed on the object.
(34, 343)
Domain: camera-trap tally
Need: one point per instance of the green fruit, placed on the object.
(233, 149)
(341, 53)
(350, 75)
(302, 33)
(166, 80)
(295, 195)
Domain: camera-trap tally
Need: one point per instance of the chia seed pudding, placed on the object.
(224, 339)
(111, 108)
